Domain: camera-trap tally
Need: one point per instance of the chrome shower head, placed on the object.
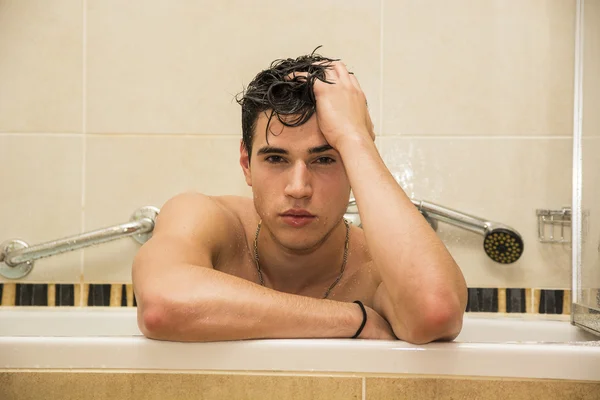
(503, 245)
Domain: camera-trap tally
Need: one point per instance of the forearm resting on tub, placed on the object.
(197, 304)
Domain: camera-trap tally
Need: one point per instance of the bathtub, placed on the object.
(108, 338)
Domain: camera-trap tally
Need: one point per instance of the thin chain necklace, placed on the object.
(260, 276)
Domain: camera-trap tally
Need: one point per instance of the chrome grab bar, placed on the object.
(17, 257)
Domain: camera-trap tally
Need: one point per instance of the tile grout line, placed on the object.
(84, 141)
(475, 137)
(49, 134)
(381, 66)
(364, 388)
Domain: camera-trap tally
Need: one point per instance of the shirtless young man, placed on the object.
(209, 273)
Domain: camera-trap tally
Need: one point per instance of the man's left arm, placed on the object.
(423, 293)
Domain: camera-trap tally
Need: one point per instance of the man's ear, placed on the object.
(245, 163)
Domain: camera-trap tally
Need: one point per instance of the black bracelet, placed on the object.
(364, 322)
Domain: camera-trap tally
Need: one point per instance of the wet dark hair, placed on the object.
(292, 101)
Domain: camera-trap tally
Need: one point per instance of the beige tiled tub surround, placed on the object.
(471, 67)
(41, 48)
(130, 385)
(175, 66)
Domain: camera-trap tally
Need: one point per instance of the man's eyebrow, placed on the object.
(320, 149)
(271, 149)
(278, 150)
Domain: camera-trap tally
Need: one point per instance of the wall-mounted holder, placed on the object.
(554, 226)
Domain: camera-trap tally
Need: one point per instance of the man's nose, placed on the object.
(299, 185)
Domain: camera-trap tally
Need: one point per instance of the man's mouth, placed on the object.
(297, 213)
(297, 217)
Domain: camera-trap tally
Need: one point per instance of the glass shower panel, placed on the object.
(586, 183)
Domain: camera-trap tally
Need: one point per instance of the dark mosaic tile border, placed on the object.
(99, 295)
(31, 295)
(482, 300)
(65, 295)
(516, 301)
(487, 300)
(551, 301)
(37, 294)
(124, 296)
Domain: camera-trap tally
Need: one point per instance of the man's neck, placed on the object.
(294, 271)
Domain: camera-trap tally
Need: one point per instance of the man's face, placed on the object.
(296, 172)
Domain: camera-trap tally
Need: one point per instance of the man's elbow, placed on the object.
(445, 326)
(442, 319)
(153, 320)
(160, 319)
(440, 323)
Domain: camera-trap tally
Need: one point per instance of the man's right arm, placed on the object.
(181, 297)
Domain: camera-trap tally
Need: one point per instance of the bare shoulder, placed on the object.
(241, 208)
(195, 219)
(217, 221)
(190, 212)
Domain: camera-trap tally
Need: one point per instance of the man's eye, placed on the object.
(274, 159)
(325, 160)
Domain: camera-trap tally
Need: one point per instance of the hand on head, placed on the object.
(341, 105)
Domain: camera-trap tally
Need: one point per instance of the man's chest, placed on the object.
(358, 281)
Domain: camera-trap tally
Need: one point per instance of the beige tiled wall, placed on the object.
(41, 66)
(173, 67)
(478, 68)
(132, 102)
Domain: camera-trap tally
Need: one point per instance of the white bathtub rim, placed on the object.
(528, 361)
(132, 351)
